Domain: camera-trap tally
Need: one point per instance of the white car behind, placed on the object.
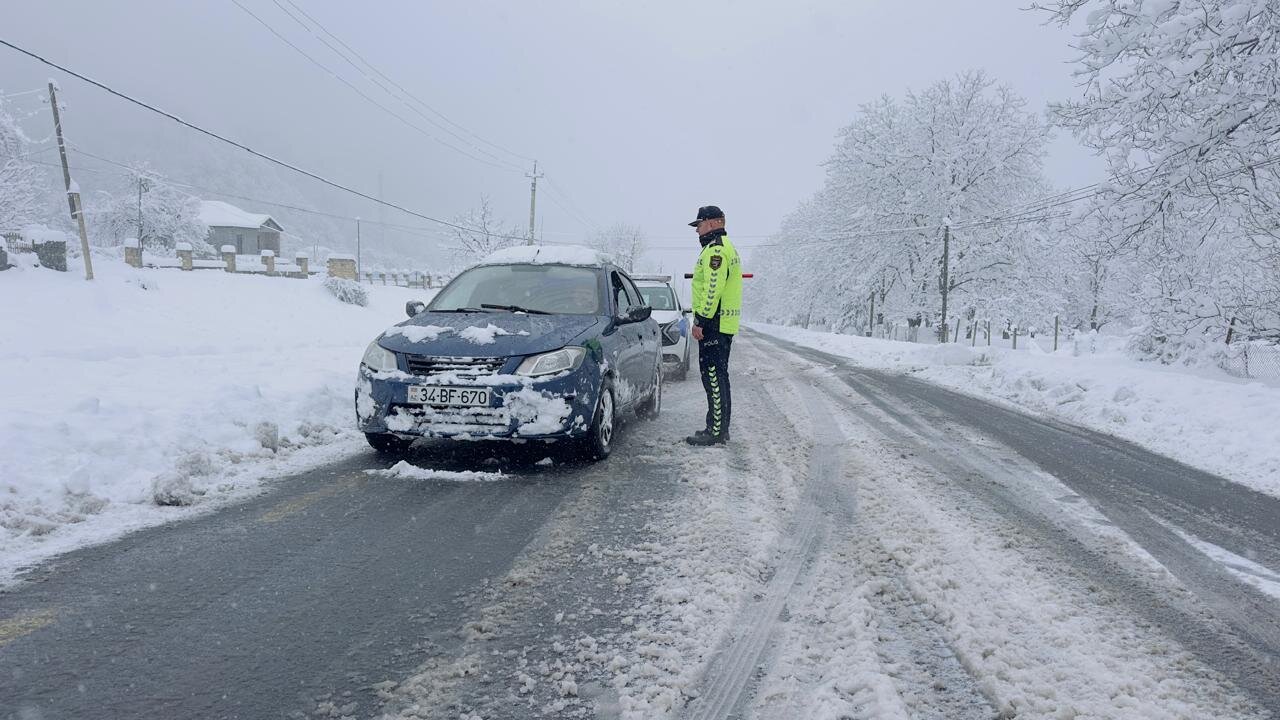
(674, 320)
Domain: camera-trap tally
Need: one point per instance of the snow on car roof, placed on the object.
(547, 255)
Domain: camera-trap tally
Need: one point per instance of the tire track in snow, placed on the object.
(1007, 486)
(736, 663)
(915, 671)
(1202, 621)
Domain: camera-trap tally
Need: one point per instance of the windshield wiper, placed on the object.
(461, 310)
(515, 309)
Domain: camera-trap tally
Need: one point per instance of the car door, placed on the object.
(650, 340)
(630, 385)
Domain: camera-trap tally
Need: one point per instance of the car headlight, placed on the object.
(378, 358)
(557, 361)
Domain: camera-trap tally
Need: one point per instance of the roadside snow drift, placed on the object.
(160, 387)
(1206, 419)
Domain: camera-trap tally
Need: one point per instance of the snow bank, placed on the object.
(160, 385)
(406, 470)
(37, 234)
(1204, 418)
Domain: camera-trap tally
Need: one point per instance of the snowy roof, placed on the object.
(216, 213)
(547, 255)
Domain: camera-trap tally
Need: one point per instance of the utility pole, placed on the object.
(73, 191)
(871, 325)
(143, 186)
(357, 249)
(533, 199)
(946, 263)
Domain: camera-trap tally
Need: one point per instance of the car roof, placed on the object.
(575, 255)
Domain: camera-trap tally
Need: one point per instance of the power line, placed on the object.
(573, 210)
(407, 229)
(6, 96)
(380, 83)
(361, 93)
(576, 212)
(242, 146)
(397, 85)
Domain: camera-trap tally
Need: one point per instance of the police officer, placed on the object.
(717, 309)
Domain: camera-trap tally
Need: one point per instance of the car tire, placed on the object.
(651, 408)
(683, 373)
(598, 442)
(388, 445)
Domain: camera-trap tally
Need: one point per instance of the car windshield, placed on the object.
(558, 289)
(658, 297)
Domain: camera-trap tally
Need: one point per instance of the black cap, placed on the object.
(708, 212)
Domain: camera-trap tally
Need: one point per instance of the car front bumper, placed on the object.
(519, 408)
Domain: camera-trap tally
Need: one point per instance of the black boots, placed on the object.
(702, 438)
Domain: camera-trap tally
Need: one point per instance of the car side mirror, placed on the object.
(637, 313)
(413, 308)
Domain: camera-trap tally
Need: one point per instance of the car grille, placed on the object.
(456, 420)
(428, 365)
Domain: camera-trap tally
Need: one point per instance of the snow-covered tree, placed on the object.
(621, 242)
(481, 234)
(905, 171)
(1181, 98)
(151, 209)
(20, 189)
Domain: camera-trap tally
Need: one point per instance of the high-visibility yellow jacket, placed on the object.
(717, 287)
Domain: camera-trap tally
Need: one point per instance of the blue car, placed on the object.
(533, 344)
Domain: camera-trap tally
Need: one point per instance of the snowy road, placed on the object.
(872, 546)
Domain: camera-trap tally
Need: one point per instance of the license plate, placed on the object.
(450, 396)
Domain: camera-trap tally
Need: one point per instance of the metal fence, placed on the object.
(1255, 358)
(979, 333)
(15, 243)
(404, 279)
(1252, 358)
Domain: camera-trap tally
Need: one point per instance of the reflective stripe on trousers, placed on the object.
(713, 364)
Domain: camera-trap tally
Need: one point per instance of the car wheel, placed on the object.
(650, 409)
(599, 440)
(387, 444)
(683, 373)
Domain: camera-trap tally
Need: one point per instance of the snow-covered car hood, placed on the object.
(482, 334)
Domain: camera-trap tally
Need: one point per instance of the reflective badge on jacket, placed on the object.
(715, 262)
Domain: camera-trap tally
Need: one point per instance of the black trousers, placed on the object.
(713, 364)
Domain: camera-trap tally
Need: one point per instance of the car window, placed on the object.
(624, 297)
(557, 289)
(658, 297)
(633, 291)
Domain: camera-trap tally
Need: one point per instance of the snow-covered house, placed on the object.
(250, 233)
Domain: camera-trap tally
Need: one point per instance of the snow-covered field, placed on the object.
(195, 385)
(1204, 418)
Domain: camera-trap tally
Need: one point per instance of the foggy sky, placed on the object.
(638, 112)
